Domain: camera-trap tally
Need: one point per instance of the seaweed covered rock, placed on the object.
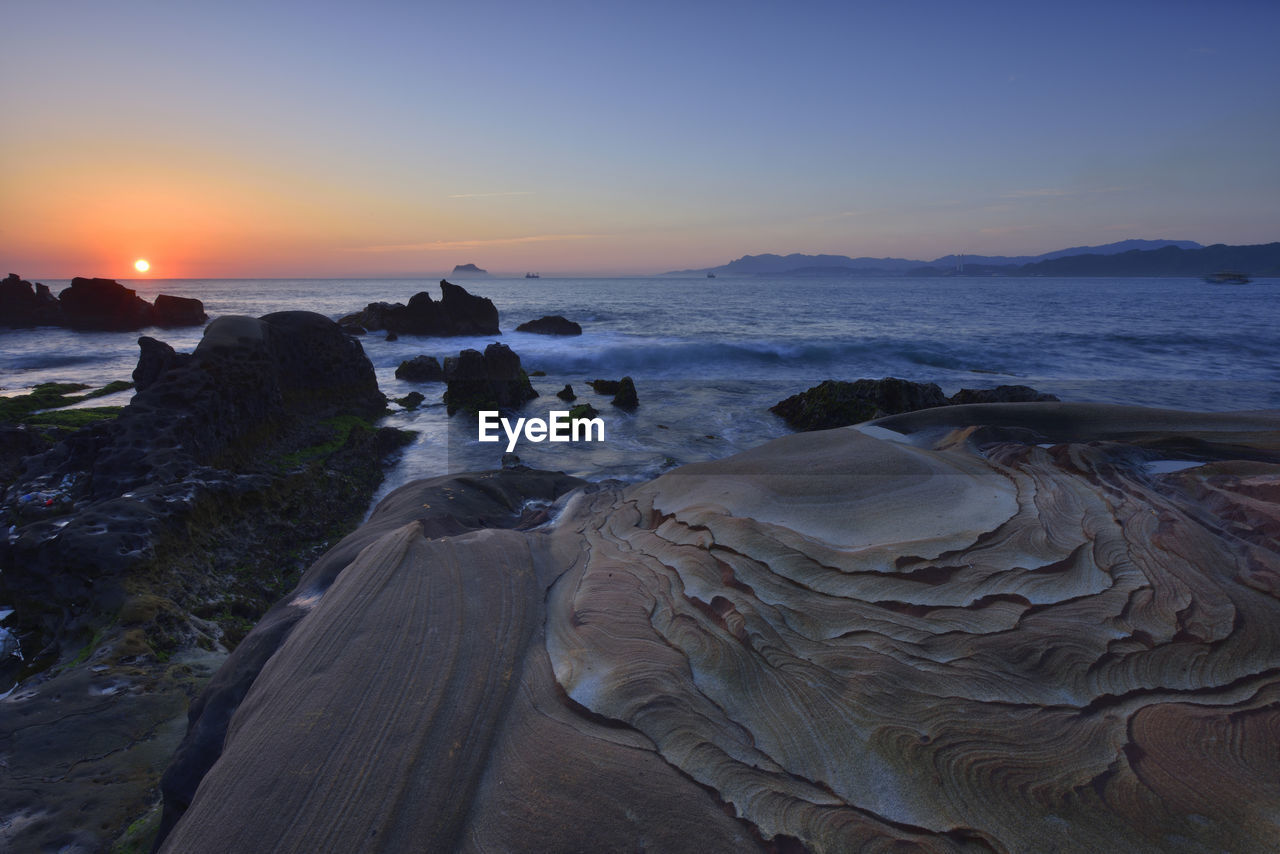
(834, 403)
(1000, 394)
(489, 380)
(456, 313)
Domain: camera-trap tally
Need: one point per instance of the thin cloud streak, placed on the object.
(490, 195)
(434, 245)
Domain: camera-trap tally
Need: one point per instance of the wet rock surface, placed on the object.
(997, 627)
(420, 369)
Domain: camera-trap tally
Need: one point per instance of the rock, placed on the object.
(457, 313)
(552, 324)
(566, 394)
(583, 410)
(420, 369)
(833, 642)
(537, 373)
(837, 404)
(1000, 394)
(605, 386)
(510, 461)
(155, 358)
(104, 304)
(21, 305)
(178, 311)
(625, 396)
(469, 270)
(391, 336)
(492, 380)
(353, 329)
(412, 400)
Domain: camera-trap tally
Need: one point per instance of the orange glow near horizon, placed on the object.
(141, 265)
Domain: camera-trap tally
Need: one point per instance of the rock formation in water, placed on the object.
(489, 380)
(973, 628)
(92, 304)
(457, 313)
(420, 369)
(834, 403)
(552, 324)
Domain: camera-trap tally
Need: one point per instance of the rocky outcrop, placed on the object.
(93, 304)
(625, 397)
(566, 394)
(469, 270)
(489, 380)
(173, 528)
(552, 324)
(457, 313)
(972, 628)
(838, 404)
(420, 369)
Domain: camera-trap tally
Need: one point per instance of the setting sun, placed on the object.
(141, 265)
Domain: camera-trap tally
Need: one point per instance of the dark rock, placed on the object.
(1000, 394)
(510, 461)
(605, 386)
(20, 305)
(469, 270)
(353, 329)
(391, 336)
(492, 380)
(583, 410)
(834, 403)
(156, 358)
(625, 396)
(566, 393)
(420, 369)
(412, 400)
(178, 311)
(552, 324)
(457, 313)
(104, 304)
(537, 373)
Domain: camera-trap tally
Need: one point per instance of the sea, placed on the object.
(710, 356)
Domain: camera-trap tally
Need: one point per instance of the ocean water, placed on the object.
(709, 357)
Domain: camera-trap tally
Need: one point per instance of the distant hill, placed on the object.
(463, 270)
(1259, 260)
(843, 265)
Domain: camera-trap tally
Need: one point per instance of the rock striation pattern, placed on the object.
(976, 628)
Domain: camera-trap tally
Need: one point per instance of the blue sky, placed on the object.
(379, 138)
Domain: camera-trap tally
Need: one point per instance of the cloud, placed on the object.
(440, 245)
(490, 195)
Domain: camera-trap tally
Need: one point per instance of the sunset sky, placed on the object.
(363, 139)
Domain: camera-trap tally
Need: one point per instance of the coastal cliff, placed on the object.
(1000, 627)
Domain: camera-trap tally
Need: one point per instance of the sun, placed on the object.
(141, 265)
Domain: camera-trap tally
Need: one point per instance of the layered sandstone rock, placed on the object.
(1018, 627)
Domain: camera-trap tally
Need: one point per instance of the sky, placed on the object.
(277, 139)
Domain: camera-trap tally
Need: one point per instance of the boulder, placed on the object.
(625, 396)
(178, 311)
(566, 394)
(1000, 394)
(835, 403)
(155, 358)
(605, 386)
(23, 305)
(412, 400)
(420, 369)
(492, 380)
(104, 304)
(456, 313)
(552, 324)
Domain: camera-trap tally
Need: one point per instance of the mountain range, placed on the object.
(1123, 258)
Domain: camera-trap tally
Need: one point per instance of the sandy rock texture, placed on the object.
(1001, 627)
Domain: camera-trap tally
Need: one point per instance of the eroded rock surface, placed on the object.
(457, 312)
(977, 628)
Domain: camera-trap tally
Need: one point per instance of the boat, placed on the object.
(711, 275)
(1227, 277)
(532, 276)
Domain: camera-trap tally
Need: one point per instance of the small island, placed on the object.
(469, 270)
